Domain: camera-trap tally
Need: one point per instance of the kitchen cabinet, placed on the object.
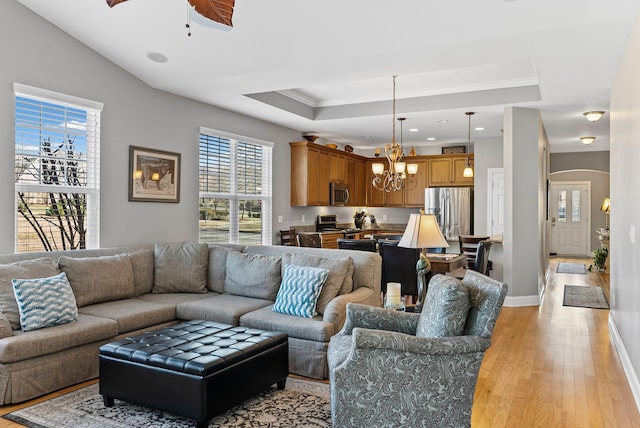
(310, 175)
(414, 191)
(314, 166)
(330, 240)
(446, 170)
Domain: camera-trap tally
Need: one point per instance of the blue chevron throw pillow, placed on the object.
(299, 291)
(45, 302)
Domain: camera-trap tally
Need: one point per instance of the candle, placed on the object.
(393, 293)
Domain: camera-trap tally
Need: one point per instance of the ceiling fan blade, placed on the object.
(216, 10)
(112, 3)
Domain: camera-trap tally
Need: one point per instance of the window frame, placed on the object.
(233, 196)
(91, 189)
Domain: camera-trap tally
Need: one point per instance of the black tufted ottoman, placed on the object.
(196, 369)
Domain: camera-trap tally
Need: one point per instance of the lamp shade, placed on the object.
(377, 168)
(422, 232)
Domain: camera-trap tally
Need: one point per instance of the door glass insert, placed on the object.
(575, 206)
(562, 206)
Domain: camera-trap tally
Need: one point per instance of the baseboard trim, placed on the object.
(629, 371)
(516, 301)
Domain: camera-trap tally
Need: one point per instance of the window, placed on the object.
(57, 171)
(235, 189)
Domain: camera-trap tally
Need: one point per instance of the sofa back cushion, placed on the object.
(217, 267)
(445, 309)
(99, 279)
(143, 265)
(253, 275)
(27, 269)
(338, 270)
(181, 268)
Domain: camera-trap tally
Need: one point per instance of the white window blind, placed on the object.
(57, 170)
(235, 180)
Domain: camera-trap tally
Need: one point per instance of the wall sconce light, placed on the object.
(587, 140)
(593, 116)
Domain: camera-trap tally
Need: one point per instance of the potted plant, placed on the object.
(600, 258)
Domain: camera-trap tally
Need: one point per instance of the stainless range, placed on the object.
(329, 223)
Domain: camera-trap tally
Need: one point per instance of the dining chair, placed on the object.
(357, 244)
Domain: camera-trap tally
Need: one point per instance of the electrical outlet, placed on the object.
(384, 217)
(279, 219)
(303, 218)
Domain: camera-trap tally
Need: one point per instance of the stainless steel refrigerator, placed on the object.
(453, 208)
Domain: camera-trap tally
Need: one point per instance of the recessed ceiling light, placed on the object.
(479, 128)
(443, 121)
(414, 130)
(431, 139)
(157, 57)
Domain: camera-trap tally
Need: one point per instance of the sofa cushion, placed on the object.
(299, 291)
(87, 329)
(445, 308)
(27, 269)
(174, 298)
(181, 267)
(338, 270)
(314, 329)
(132, 314)
(143, 265)
(217, 267)
(225, 308)
(99, 279)
(252, 275)
(45, 302)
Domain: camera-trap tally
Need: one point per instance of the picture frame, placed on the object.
(450, 150)
(154, 175)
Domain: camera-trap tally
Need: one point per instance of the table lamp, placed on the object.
(422, 232)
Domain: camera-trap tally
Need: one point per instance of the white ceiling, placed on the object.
(325, 67)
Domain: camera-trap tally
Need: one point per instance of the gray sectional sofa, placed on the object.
(124, 291)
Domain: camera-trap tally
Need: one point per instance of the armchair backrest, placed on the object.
(487, 296)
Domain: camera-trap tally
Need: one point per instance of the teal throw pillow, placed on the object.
(45, 302)
(299, 290)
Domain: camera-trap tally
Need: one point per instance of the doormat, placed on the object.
(571, 268)
(302, 403)
(585, 296)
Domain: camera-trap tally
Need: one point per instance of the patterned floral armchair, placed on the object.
(392, 369)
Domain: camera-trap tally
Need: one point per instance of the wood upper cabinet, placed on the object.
(314, 167)
(414, 191)
(447, 171)
(310, 175)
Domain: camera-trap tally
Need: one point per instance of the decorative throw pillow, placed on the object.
(338, 269)
(181, 268)
(99, 279)
(252, 275)
(299, 290)
(27, 269)
(445, 309)
(45, 302)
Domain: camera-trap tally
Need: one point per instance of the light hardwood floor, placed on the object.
(548, 366)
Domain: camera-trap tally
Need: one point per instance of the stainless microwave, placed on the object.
(339, 194)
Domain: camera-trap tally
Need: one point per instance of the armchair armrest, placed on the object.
(336, 310)
(371, 317)
(377, 339)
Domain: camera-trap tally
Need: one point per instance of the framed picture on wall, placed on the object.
(154, 175)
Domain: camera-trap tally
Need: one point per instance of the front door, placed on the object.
(569, 207)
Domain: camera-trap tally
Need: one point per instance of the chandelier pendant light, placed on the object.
(393, 179)
(468, 170)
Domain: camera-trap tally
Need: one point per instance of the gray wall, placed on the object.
(525, 170)
(37, 53)
(625, 206)
(598, 161)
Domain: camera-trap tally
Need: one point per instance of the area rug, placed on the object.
(585, 296)
(301, 404)
(571, 268)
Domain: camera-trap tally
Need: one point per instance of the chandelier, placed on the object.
(393, 179)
